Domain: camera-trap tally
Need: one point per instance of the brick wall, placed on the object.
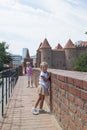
(68, 98)
(20, 71)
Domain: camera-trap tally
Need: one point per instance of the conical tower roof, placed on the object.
(69, 44)
(45, 44)
(27, 54)
(58, 47)
(39, 46)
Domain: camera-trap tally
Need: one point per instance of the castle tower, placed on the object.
(58, 57)
(70, 54)
(45, 50)
(38, 55)
(25, 58)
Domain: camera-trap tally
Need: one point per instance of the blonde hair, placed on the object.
(28, 63)
(44, 64)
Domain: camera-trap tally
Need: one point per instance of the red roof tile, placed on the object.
(39, 46)
(45, 44)
(69, 44)
(83, 44)
(58, 47)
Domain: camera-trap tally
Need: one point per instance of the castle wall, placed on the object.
(38, 59)
(67, 98)
(58, 59)
(81, 50)
(46, 56)
(70, 56)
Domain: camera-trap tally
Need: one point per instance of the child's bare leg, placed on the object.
(42, 101)
(38, 101)
(34, 110)
(28, 83)
(32, 83)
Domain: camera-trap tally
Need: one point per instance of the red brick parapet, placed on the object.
(68, 98)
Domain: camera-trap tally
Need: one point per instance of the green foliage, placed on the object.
(80, 63)
(5, 57)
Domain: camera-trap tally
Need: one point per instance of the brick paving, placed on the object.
(18, 114)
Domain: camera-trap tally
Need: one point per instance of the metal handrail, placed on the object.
(8, 79)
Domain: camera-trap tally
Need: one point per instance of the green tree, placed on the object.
(80, 63)
(5, 56)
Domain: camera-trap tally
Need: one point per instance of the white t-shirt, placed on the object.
(41, 81)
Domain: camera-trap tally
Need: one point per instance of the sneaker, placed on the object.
(35, 111)
(41, 110)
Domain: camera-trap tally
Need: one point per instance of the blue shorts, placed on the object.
(29, 78)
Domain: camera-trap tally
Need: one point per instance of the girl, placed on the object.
(42, 88)
(29, 72)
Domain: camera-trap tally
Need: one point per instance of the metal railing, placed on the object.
(8, 79)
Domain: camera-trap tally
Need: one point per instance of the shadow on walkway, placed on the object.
(18, 114)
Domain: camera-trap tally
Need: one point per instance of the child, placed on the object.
(42, 88)
(29, 72)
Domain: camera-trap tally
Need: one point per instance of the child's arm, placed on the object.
(46, 79)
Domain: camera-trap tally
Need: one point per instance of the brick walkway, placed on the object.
(18, 114)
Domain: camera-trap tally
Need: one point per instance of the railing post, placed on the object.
(6, 91)
(9, 85)
(11, 82)
(2, 94)
(8, 79)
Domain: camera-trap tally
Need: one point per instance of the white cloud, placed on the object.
(23, 25)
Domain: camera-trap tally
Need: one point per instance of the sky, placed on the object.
(26, 23)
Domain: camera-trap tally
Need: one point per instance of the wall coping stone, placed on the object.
(71, 74)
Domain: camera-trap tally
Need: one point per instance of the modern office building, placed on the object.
(16, 60)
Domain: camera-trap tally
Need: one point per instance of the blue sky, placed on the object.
(26, 23)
